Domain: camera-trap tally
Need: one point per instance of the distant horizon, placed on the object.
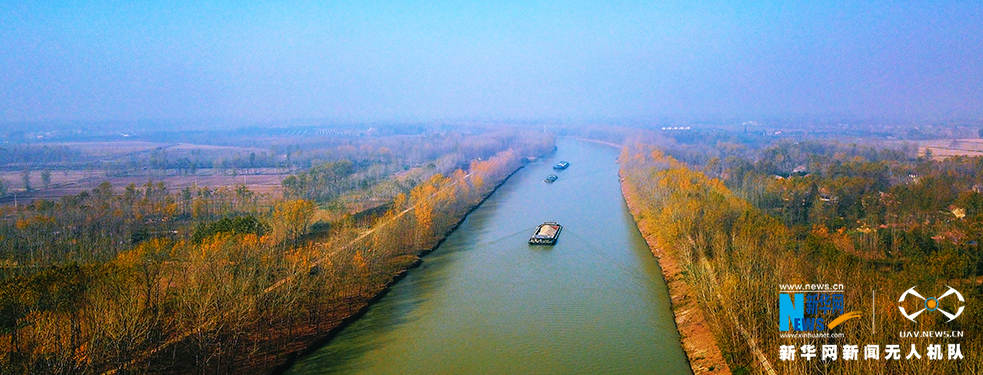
(233, 123)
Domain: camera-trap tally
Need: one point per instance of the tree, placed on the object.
(423, 198)
(147, 260)
(3, 187)
(64, 289)
(322, 182)
(16, 298)
(46, 178)
(233, 225)
(26, 178)
(294, 216)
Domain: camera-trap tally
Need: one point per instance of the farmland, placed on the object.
(940, 149)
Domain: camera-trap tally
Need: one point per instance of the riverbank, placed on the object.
(332, 284)
(488, 302)
(698, 342)
(356, 310)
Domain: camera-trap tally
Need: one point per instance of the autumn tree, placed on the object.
(293, 217)
(147, 261)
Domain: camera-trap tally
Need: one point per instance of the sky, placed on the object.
(488, 60)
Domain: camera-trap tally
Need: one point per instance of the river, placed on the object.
(486, 302)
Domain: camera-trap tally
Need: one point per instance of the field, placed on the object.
(113, 162)
(940, 149)
(263, 181)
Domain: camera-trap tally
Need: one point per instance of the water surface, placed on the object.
(485, 302)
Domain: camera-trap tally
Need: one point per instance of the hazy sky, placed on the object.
(492, 60)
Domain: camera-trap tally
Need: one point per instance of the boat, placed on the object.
(546, 234)
(550, 179)
(561, 165)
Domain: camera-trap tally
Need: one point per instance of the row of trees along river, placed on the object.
(223, 280)
(878, 220)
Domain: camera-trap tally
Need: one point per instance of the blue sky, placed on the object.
(424, 61)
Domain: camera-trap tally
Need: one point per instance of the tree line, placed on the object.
(128, 279)
(736, 253)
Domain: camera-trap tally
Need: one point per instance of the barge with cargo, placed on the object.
(546, 233)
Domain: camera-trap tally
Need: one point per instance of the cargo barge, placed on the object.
(546, 234)
(561, 165)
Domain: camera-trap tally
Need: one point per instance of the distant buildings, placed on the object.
(800, 171)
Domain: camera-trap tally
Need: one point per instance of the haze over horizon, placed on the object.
(415, 61)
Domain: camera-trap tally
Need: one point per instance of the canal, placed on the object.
(485, 302)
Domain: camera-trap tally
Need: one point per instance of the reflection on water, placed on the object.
(486, 302)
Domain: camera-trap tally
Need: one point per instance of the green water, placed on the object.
(485, 302)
